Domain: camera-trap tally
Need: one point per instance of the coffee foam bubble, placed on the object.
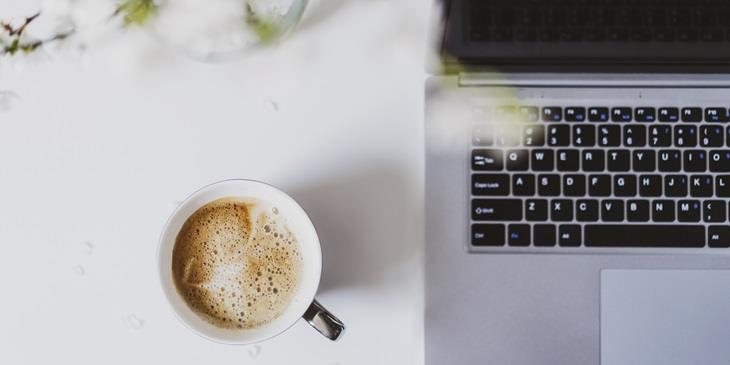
(235, 264)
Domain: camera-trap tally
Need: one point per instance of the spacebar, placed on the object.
(625, 235)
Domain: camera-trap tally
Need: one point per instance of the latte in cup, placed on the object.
(236, 264)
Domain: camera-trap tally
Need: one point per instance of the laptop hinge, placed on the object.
(595, 80)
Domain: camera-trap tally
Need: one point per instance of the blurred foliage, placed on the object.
(13, 40)
(266, 30)
(137, 12)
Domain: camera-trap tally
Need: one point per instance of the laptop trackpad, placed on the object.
(665, 317)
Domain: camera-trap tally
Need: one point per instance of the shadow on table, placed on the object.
(367, 223)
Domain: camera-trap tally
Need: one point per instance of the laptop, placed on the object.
(578, 183)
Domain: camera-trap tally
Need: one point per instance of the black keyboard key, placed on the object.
(568, 160)
(518, 234)
(624, 185)
(536, 210)
(720, 160)
(558, 135)
(716, 115)
(650, 185)
(599, 185)
(688, 35)
(598, 114)
(552, 114)
(675, 185)
(561, 210)
(695, 160)
(595, 35)
(645, 114)
(486, 160)
(692, 115)
(718, 236)
(660, 135)
(575, 114)
(662, 210)
(670, 160)
(637, 211)
(584, 135)
(618, 35)
(618, 160)
(644, 160)
(711, 136)
(700, 186)
(544, 235)
(487, 234)
(634, 135)
(711, 35)
(548, 35)
(548, 185)
(506, 135)
(669, 115)
(569, 235)
(609, 135)
(528, 114)
(482, 136)
(621, 114)
(586, 210)
(533, 135)
(496, 209)
(612, 210)
(543, 160)
(518, 160)
(505, 113)
(503, 35)
(490, 184)
(593, 160)
(574, 185)
(607, 235)
(685, 136)
(523, 184)
(722, 186)
(688, 211)
(714, 211)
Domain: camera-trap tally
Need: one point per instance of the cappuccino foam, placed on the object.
(236, 264)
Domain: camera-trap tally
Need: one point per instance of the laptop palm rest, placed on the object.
(665, 317)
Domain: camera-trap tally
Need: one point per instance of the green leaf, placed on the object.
(13, 48)
(137, 12)
(267, 30)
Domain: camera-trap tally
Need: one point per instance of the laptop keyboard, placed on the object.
(601, 176)
(599, 21)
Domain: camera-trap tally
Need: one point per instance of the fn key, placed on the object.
(487, 234)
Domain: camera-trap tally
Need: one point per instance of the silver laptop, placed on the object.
(577, 183)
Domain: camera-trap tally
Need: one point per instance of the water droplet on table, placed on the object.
(134, 322)
(87, 247)
(272, 105)
(7, 98)
(254, 351)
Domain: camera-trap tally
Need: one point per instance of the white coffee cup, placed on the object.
(302, 304)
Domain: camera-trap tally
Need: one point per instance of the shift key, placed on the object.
(496, 209)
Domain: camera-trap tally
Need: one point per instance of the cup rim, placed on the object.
(161, 280)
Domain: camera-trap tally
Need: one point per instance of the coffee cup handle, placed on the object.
(323, 321)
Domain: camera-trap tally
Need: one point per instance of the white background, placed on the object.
(97, 147)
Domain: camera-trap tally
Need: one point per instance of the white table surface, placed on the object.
(96, 149)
